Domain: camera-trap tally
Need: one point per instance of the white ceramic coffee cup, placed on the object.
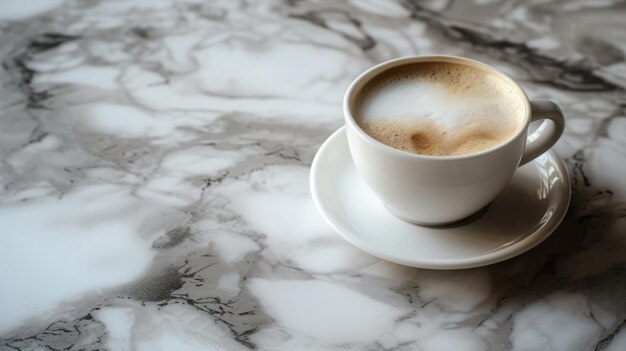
(438, 190)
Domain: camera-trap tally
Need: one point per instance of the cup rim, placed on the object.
(366, 76)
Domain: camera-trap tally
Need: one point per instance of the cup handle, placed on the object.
(548, 132)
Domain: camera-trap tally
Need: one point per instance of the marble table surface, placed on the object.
(154, 163)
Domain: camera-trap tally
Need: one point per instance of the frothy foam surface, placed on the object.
(439, 109)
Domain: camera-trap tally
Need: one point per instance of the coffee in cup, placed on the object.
(439, 109)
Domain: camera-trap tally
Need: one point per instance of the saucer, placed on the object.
(527, 211)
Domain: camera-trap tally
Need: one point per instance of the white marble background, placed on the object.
(154, 160)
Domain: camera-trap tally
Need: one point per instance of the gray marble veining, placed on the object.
(154, 160)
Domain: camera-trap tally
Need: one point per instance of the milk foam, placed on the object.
(440, 109)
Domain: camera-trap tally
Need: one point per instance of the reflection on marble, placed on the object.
(154, 170)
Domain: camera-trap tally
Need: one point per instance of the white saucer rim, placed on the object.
(491, 257)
